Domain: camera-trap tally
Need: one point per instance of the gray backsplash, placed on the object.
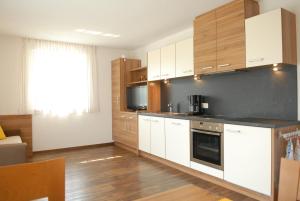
(258, 92)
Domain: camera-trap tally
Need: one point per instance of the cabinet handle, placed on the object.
(224, 65)
(122, 116)
(176, 124)
(233, 131)
(165, 75)
(187, 71)
(206, 67)
(130, 117)
(155, 121)
(256, 60)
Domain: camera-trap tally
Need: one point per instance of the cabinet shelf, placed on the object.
(137, 83)
(138, 69)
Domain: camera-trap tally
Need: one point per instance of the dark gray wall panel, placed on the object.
(258, 92)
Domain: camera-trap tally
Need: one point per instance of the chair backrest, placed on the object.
(30, 181)
(289, 188)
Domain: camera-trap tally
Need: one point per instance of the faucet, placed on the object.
(170, 107)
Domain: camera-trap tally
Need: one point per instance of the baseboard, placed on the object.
(75, 148)
(127, 148)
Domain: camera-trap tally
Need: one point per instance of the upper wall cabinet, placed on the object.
(219, 37)
(175, 60)
(154, 65)
(205, 43)
(271, 39)
(184, 58)
(167, 62)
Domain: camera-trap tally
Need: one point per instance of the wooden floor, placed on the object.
(111, 173)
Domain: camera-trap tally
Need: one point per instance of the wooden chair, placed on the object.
(30, 181)
(289, 188)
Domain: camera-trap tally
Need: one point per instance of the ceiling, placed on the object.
(138, 22)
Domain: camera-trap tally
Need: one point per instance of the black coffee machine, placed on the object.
(195, 105)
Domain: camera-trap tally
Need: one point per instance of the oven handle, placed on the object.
(205, 132)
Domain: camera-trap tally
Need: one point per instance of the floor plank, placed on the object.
(113, 174)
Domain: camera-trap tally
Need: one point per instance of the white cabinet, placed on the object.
(144, 133)
(271, 39)
(185, 58)
(158, 137)
(154, 65)
(167, 62)
(247, 157)
(152, 135)
(178, 141)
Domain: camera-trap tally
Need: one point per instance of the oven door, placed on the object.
(207, 148)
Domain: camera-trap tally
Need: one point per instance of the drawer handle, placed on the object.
(256, 60)
(224, 65)
(155, 121)
(206, 67)
(130, 117)
(233, 131)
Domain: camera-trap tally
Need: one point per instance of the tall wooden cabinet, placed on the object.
(124, 123)
(219, 37)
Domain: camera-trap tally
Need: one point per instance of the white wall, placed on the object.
(265, 6)
(51, 132)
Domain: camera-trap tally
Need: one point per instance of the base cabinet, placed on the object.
(152, 135)
(144, 133)
(158, 142)
(178, 141)
(247, 157)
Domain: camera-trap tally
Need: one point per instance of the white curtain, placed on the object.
(58, 78)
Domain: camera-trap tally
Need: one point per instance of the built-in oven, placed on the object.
(207, 143)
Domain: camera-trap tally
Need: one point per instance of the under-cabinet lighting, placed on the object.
(166, 81)
(275, 69)
(197, 77)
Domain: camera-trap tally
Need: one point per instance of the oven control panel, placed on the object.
(209, 126)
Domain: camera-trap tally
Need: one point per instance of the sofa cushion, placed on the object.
(11, 140)
(2, 135)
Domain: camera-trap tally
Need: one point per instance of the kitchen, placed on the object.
(242, 66)
(150, 100)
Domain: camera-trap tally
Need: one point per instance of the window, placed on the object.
(59, 78)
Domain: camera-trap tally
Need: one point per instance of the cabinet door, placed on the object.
(178, 141)
(185, 58)
(247, 157)
(231, 50)
(154, 65)
(144, 133)
(167, 68)
(205, 43)
(158, 137)
(264, 39)
(116, 86)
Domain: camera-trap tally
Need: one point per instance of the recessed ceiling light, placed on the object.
(91, 32)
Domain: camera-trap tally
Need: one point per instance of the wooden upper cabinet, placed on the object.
(231, 50)
(219, 37)
(205, 43)
(117, 79)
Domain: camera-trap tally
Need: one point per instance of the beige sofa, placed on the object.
(12, 150)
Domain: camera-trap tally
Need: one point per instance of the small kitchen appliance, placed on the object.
(196, 103)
